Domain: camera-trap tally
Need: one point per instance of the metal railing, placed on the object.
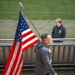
(63, 55)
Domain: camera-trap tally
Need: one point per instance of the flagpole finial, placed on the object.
(21, 4)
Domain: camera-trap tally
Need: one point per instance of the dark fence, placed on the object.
(63, 55)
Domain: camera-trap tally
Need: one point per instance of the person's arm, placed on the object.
(64, 33)
(46, 60)
(53, 33)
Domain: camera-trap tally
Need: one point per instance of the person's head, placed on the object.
(46, 38)
(58, 22)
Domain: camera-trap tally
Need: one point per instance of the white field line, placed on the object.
(39, 12)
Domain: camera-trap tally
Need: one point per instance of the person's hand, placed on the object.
(55, 74)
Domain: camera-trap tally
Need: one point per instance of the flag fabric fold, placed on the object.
(24, 39)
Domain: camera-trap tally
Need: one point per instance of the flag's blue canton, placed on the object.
(22, 25)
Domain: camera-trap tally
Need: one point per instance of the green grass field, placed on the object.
(42, 12)
(38, 9)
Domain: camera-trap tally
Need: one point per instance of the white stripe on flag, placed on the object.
(25, 31)
(19, 57)
(13, 58)
(30, 42)
(26, 37)
(18, 73)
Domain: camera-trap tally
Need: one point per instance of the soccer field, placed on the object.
(38, 9)
(42, 12)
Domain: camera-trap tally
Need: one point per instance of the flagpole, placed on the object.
(21, 5)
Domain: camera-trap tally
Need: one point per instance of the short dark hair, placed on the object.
(43, 36)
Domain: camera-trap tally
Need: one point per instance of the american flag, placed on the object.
(24, 39)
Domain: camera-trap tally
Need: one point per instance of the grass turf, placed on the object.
(38, 9)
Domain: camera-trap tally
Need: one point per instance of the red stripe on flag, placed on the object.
(21, 60)
(26, 34)
(9, 59)
(20, 72)
(29, 39)
(20, 68)
(16, 59)
(31, 44)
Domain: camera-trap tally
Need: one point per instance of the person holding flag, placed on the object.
(44, 56)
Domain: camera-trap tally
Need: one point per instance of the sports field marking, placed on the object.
(39, 12)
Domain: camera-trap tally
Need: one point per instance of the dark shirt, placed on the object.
(59, 32)
(43, 60)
